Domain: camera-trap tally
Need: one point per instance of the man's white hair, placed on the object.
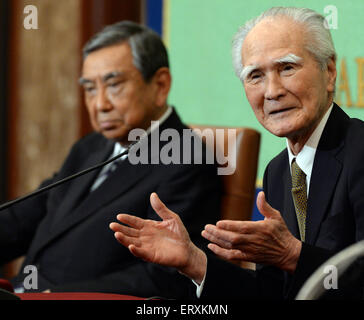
(319, 41)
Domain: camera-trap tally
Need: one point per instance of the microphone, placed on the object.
(71, 177)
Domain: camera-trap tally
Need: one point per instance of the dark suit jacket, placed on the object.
(65, 232)
(335, 214)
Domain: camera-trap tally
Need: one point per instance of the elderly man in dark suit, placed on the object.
(313, 198)
(64, 233)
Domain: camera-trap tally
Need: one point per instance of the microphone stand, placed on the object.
(76, 175)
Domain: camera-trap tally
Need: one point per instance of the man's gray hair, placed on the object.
(319, 43)
(147, 48)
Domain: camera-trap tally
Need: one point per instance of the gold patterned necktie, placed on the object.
(299, 194)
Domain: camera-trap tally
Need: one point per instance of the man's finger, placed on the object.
(223, 234)
(132, 221)
(138, 252)
(159, 207)
(243, 227)
(264, 207)
(228, 239)
(225, 239)
(126, 240)
(229, 254)
(131, 232)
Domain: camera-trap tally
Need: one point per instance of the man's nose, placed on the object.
(274, 87)
(102, 101)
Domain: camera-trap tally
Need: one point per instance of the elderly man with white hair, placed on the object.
(313, 198)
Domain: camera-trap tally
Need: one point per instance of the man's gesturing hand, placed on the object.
(268, 241)
(163, 242)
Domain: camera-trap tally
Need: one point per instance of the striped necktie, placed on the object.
(299, 194)
(107, 172)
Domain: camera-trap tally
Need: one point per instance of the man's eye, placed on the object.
(114, 84)
(287, 67)
(89, 89)
(254, 77)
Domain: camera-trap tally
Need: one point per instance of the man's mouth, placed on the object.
(280, 111)
(108, 124)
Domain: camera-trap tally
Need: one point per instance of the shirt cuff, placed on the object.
(199, 287)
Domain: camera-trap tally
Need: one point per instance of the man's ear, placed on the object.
(332, 73)
(162, 80)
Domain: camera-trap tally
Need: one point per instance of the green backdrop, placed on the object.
(205, 89)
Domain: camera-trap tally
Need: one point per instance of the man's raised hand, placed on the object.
(163, 242)
(268, 241)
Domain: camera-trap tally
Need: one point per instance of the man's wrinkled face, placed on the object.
(285, 86)
(116, 95)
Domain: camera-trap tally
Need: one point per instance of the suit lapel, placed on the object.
(76, 191)
(325, 172)
(79, 187)
(123, 179)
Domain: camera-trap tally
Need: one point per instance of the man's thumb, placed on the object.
(159, 207)
(264, 207)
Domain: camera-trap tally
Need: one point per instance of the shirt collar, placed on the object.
(118, 148)
(306, 156)
(160, 121)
